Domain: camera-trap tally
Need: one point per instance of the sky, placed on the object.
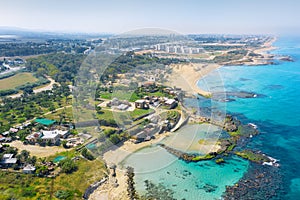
(182, 16)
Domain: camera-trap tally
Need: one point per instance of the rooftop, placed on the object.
(140, 101)
(170, 101)
(7, 156)
(8, 159)
(29, 168)
(49, 134)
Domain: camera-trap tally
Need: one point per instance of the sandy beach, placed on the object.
(186, 76)
(266, 47)
(108, 192)
(118, 155)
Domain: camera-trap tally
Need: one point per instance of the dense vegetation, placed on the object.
(60, 66)
(19, 110)
(46, 47)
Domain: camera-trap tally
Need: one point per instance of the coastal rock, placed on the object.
(287, 58)
(259, 183)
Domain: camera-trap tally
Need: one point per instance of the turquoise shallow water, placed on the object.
(187, 138)
(185, 179)
(276, 112)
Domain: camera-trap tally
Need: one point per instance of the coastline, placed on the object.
(186, 77)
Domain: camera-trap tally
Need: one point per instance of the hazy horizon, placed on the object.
(186, 17)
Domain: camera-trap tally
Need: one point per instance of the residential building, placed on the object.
(29, 169)
(52, 136)
(8, 160)
(170, 103)
(141, 104)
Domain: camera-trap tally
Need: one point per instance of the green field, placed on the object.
(29, 187)
(17, 80)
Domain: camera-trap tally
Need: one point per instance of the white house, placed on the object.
(8, 160)
(171, 103)
(29, 169)
(50, 136)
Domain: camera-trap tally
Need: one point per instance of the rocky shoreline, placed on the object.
(239, 133)
(259, 183)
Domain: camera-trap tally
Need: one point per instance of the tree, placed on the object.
(64, 143)
(24, 155)
(98, 109)
(32, 160)
(68, 166)
(51, 108)
(42, 170)
(114, 138)
(85, 153)
(28, 90)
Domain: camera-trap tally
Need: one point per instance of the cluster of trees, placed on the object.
(109, 138)
(230, 56)
(130, 60)
(4, 93)
(19, 110)
(115, 136)
(50, 46)
(7, 75)
(25, 49)
(60, 66)
(27, 87)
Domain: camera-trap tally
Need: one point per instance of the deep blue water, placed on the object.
(276, 112)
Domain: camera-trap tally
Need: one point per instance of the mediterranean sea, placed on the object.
(274, 108)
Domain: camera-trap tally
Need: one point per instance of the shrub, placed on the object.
(85, 153)
(63, 194)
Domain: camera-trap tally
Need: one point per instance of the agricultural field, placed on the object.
(17, 80)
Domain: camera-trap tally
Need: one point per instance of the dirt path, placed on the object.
(36, 150)
(49, 86)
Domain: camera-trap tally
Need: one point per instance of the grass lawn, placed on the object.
(139, 112)
(122, 95)
(105, 95)
(67, 112)
(17, 80)
(121, 116)
(105, 114)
